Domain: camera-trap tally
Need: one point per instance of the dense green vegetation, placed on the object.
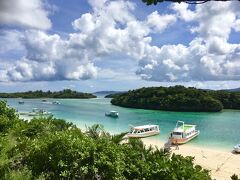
(178, 98)
(229, 100)
(66, 93)
(48, 148)
(113, 95)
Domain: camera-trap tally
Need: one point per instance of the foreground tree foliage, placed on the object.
(66, 93)
(178, 98)
(49, 148)
(155, 2)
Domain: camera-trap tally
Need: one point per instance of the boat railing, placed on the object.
(181, 123)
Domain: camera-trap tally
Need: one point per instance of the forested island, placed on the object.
(49, 148)
(178, 98)
(114, 94)
(66, 93)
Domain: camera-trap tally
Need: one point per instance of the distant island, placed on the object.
(106, 93)
(66, 93)
(232, 90)
(112, 95)
(178, 98)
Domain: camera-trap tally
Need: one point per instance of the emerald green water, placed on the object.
(218, 130)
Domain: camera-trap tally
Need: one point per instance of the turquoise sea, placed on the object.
(218, 130)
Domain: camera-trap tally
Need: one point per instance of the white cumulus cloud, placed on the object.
(49, 57)
(111, 28)
(208, 57)
(24, 13)
(160, 22)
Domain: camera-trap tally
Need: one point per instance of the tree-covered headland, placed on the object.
(48, 148)
(178, 98)
(66, 93)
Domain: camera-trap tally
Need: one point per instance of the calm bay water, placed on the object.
(218, 130)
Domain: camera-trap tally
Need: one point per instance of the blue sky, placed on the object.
(117, 45)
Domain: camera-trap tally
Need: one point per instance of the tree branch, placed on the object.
(155, 2)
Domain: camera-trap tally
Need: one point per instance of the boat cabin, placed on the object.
(145, 128)
(183, 133)
(183, 130)
(144, 131)
(112, 114)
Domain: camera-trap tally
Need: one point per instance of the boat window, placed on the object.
(146, 130)
(138, 132)
(177, 133)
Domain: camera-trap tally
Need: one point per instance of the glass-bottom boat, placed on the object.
(112, 114)
(183, 133)
(143, 131)
(37, 112)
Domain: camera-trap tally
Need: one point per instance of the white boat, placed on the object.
(20, 102)
(112, 114)
(143, 131)
(183, 133)
(37, 112)
(237, 148)
(55, 102)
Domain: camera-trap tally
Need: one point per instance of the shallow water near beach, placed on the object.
(217, 130)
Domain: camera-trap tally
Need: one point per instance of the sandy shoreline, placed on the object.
(222, 164)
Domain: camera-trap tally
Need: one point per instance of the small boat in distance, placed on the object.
(143, 131)
(20, 102)
(183, 133)
(237, 148)
(37, 112)
(44, 100)
(112, 114)
(55, 102)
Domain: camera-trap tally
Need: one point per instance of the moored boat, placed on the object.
(20, 102)
(183, 133)
(37, 112)
(237, 148)
(143, 131)
(55, 102)
(112, 114)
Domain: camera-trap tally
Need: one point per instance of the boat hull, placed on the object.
(184, 140)
(237, 149)
(143, 135)
(111, 115)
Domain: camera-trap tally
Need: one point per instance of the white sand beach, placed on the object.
(222, 164)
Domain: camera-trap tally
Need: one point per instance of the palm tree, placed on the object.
(96, 131)
(118, 138)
